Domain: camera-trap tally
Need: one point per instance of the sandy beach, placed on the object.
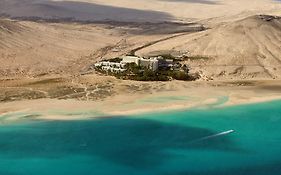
(156, 97)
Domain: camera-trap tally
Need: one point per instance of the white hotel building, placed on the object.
(151, 63)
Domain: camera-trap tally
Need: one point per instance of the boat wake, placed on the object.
(213, 136)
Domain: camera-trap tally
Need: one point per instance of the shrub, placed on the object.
(115, 60)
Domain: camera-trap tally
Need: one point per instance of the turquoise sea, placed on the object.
(188, 142)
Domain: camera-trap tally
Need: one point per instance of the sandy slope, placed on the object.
(243, 49)
(31, 47)
(77, 10)
(186, 10)
(238, 46)
(248, 48)
(139, 10)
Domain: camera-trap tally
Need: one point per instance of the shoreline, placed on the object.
(199, 95)
(74, 115)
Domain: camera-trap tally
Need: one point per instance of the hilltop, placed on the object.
(243, 49)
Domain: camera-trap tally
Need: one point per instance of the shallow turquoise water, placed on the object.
(167, 143)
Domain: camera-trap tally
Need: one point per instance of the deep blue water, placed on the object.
(167, 143)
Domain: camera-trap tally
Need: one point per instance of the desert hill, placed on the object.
(30, 47)
(60, 37)
(137, 10)
(247, 48)
(76, 11)
(35, 48)
(209, 11)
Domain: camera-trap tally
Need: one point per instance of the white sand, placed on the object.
(195, 95)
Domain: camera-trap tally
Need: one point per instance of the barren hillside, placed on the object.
(77, 11)
(138, 10)
(248, 48)
(206, 10)
(28, 47)
(34, 48)
(65, 37)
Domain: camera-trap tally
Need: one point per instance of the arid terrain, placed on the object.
(245, 49)
(47, 47)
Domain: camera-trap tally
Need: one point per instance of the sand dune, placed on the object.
(237, 45)
(244, 49)
(35, 48)
(137, 10)
(28, 47)
(248, 48)
(77, 11)
(206, 10)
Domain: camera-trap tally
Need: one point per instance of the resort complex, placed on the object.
(157, 68)
(152, 63)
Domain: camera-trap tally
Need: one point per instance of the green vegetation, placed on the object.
(194, 57)
(168, 57)
(180, 75)
(114, 60)
(138, 73)
(164, 73)
(197, 57)
(185, 58)
(131, 53)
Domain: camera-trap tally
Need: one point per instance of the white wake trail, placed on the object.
(213, 136)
